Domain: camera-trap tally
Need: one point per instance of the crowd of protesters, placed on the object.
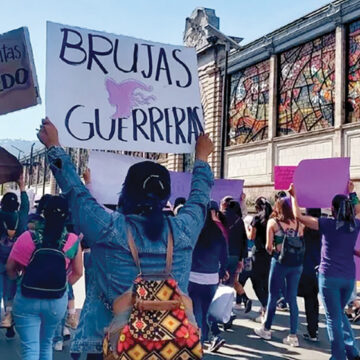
(283, 252)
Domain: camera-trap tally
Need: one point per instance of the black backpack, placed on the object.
(293, 248)
(45, 276)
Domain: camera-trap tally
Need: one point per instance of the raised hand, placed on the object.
(48, 134)
(204, 147)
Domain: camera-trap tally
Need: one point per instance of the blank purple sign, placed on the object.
(317, 181)
(181, 185)
(283, 177)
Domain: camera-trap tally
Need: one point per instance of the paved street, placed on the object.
(241, 342)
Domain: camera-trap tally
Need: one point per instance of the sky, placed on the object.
(155, 20)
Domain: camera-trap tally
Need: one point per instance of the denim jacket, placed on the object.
(112, 264)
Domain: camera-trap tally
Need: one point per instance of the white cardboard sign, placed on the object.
(114, 92)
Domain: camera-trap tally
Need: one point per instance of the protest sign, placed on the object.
(108, 171)
(283, 177)
(113, 92)
(317, 181)
(18, 83)
(225, 187)
(10, 167)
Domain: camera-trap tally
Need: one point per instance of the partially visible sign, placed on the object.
(18, 82)
(108, 172)
(114, 92)
(317, 181)
(283, 177)
(10, 167)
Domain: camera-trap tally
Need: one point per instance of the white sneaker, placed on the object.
(58, 346)
(66, 331)
(291, 340)
(263, 333)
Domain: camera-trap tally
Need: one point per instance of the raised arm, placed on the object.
(354, 199)
(308, 221)
(76, 267)
(91, 219)
(194, 211)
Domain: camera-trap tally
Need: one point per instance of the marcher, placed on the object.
(261, 258)
(41, 299)
(209, 262)
(145, 192)
(13, 222)
(337, 267)
(238, 251)
(285, 242)
(308, 285)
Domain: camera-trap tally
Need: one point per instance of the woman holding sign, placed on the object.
(337, 267)
(137, 239)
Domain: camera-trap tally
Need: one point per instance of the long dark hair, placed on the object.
(55, 213)
(263, 209)
(343, 212)
(145, 192)
(283, 211)
(209, 232)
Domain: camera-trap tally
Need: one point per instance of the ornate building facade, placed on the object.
(293, 94)
(290, 95)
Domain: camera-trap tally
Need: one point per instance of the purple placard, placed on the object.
(283, 177)
(224, 187)
(181, 185)
(317, 181)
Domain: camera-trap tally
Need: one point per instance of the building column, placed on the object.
(340, 89)
(273, 111)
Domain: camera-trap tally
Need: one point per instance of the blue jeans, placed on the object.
(36, 321)
(278, 274)
(7, 288)
(335, 294)
(202, 295)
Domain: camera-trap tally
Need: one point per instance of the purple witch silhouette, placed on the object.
(126, 95)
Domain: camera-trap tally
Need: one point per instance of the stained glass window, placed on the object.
(353, 101)
(249, 104)
(307, 87)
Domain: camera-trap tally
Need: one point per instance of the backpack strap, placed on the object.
(35, 239)
(279, 225)
(134, 250)
(169, 251)
(16, 224)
